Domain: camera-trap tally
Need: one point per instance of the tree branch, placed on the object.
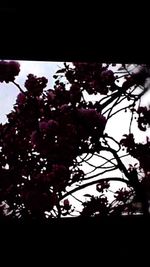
(100, 173)
(126, 155)
(120, 164)
(76, 198)
(133, 182)
(97, 167)
(113, 139)
(131, 123)
(18, 87)
(118, 179)
(121, 109)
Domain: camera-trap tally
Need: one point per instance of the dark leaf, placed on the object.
(66, 66)
(87, 195)
(61, 71)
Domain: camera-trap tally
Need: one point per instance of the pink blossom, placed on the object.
(21, 99)
(70, 130)
(67, 205)
(64, 108)
(107, 76)
(75, 93)
(34, 138)
(92, 116)
(59, 169)
(66, 202)
(43, 125)
(53, 125)
(51, 95)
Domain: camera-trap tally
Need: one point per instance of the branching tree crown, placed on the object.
(51, 133)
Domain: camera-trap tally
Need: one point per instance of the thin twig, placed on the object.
(76, 198)
(108, 160)
(101, 166)
(113, 158)
(113, 139)
(121, 76)
(100, 173)
(18, 87)
(131, 123)
(121, 109)
(83, 159)
(110, 109)
(120, 164)
(116, 104)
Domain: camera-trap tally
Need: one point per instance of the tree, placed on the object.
(51, 133)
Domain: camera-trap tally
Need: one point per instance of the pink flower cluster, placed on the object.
(8, 70)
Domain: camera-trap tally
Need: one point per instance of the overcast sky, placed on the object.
(116, 127)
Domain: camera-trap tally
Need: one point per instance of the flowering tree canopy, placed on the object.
(52, 133)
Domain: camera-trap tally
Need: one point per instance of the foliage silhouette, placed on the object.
(51, 133)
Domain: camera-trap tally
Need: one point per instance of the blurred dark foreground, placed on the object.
(74, 241)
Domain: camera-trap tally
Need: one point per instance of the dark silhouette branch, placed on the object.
(100, 173)
(113, 139)
(99, 166)
(121, 109)
(126, 155)
(133, 182)
(119, 162)
(18, 87)
(76, 199)
(131, 120)
(118, 179)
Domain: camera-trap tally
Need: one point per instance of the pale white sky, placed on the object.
(116, 127)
